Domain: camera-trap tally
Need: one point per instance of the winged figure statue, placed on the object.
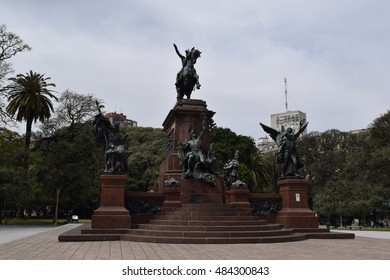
(287, 154)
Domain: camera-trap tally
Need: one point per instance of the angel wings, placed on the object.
(287, 151)
(278, 136)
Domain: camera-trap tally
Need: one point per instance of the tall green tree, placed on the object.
(68, 161)
(348, 197)
(273, 171)
(29, 99)
(324, 155)
(379, 162)
(147, 148)
(67, 170)
(12, 192)
(349, 171)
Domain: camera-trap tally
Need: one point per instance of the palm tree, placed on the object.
(29, 99)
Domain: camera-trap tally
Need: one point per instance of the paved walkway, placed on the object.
(41, 243)
(13, 232)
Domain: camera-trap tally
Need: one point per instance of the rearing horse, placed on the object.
(187, 79)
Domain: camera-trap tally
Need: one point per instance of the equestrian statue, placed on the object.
(187, 79)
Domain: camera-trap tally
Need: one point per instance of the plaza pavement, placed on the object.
(41, 243)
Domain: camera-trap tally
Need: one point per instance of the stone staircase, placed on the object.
(209, 223)
(202, 223)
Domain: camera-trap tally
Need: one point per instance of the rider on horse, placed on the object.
(187, 79)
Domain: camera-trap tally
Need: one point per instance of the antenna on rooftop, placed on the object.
(285, 92)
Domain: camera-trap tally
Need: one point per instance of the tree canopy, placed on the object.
(348, 172)
(29, 99)
(10, 45)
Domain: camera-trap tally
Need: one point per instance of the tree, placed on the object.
(29, 99)
(379, 161)
(74, 108)
(147, 148)
(67, 170)
(380, 130)
(273, 170)
(11, 171)
(348, 197)
(349, 171)
(252, 170)
(10, 45)
(324, 155)
(68, 161)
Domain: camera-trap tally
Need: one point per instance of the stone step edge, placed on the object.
(208, 227)
(215, 240)
(216, 234)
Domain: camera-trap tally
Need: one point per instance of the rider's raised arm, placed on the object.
(178, 53)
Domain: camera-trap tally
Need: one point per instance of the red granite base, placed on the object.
(111, 218)
(172, 198)
(239, 198)
(297, 218)
(295, 211)
(193, 190)
(111, 214)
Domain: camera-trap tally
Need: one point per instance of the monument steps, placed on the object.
(200, 222)
(215, 240)
(227, 234)
(211, 228)
(204, 223)
(209, 217)
(194, 213)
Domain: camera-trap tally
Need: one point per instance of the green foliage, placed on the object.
(273, 170)
(30, 100)
(344, 197)
(380, 131)
(66, 158)
(11, 168)
(251, 169)
(226, 142)
(147, 147)
(69, 162)
(324, 155)
(349, 172)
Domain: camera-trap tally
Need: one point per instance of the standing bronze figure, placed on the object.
(113, 143)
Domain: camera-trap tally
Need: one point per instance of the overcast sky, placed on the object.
(334, 54)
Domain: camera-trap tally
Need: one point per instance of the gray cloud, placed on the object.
(333, 53)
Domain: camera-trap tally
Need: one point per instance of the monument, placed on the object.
(187, 79)
(111, 213)
(295, 212)
(188, 167)
(199, 205)
(187, 173)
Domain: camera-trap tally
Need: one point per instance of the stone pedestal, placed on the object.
(239, 198)
(295, 211)
(111, 213)
(186, 114)
(172, 198)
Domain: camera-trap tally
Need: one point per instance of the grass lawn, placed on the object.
(40, 221)
(365, 229)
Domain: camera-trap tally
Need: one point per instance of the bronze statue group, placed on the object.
(196, 163)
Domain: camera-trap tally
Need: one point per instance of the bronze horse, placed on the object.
(187, 79)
